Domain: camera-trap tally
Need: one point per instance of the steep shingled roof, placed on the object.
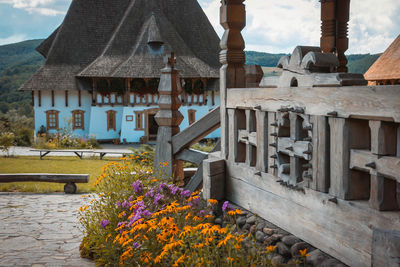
(104, 38)
(387, 67)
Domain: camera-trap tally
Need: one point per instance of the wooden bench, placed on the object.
(102, 153)
(68, 179)
(44, 152)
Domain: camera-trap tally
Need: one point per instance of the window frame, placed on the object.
(111, 114)
(191, 116)
(139, 125)
(74, 114)
(48, 122)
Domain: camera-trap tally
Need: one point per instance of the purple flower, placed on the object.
(118, 203)
(136, 245)
(225, 206)
(162, 185)
(150, 193)
(196, 201)
(104, 223)
(157, 198)
(202, 212)
(137, 186)
(147, 213)
(186, 193)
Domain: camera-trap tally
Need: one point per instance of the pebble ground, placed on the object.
(40, 230)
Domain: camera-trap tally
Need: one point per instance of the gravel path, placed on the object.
(40, 230)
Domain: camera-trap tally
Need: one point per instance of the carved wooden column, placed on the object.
(335, 17)
(168, 118)
(328, 26)
(232, 57)
(342, 41)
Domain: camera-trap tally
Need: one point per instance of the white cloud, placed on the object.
(12, 39)
(278, 26)
(42, 7)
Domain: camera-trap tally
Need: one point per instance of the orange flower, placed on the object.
(213, 201)
(304, 253)
(271, 248)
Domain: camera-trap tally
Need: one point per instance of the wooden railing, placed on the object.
(341, 141)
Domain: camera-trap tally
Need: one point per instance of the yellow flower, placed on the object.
(230, 259)
(179, 260)
(271, 248)
(164, 164)
(200, 245)
(213, 201)
(234, 212)
(304, 253)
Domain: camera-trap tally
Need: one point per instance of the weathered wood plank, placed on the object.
(383, 137)
(379, 102)
(197, 131)
(214, 185)
(271, 141)
(386, 248)
(386, 166)
(197, 179)
(345, 135)
(262, 141)
(294, 148)
(44, 177)
(310, 215)
(192, 155)
(320, 161)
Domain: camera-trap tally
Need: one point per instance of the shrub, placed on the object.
(143, 155)
(7, 140)
(137, 220)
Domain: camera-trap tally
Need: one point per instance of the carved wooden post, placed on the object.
(168, 118)
(342, 41)
(335, 17)
(232, 57)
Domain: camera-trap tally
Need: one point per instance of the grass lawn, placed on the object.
(67, 165)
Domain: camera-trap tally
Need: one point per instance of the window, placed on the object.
(52, 119)
(78, 119)
(192, 116)
(139, 120)
(111, 120)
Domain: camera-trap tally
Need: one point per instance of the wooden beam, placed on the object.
(44, 177)
(196, 131)
(377, 102)
(192, 155)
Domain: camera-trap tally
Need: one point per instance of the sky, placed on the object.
(273, 26)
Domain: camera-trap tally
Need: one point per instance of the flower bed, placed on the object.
(138, 220)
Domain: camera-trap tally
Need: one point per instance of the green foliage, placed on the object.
(18, 62)
(7, 140)
(262, 59)
(20, 125)
(136, 220)
(361, 63)
(143, 155)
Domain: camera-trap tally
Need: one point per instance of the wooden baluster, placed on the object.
(251, 150)
(295, 163)
(232, 57)
(383, 143)
(168, 118)
(347, 134)
(272, 129)
(262, 141)
(320, 158)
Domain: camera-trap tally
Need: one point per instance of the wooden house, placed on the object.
(103, 64)
(386, 69)
(314, 151)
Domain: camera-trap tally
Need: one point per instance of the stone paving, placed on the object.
(40, 230)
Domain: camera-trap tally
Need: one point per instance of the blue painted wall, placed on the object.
(96, 116)
(65, 114)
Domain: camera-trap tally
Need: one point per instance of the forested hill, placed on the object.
(17, 63)
(20, 60)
